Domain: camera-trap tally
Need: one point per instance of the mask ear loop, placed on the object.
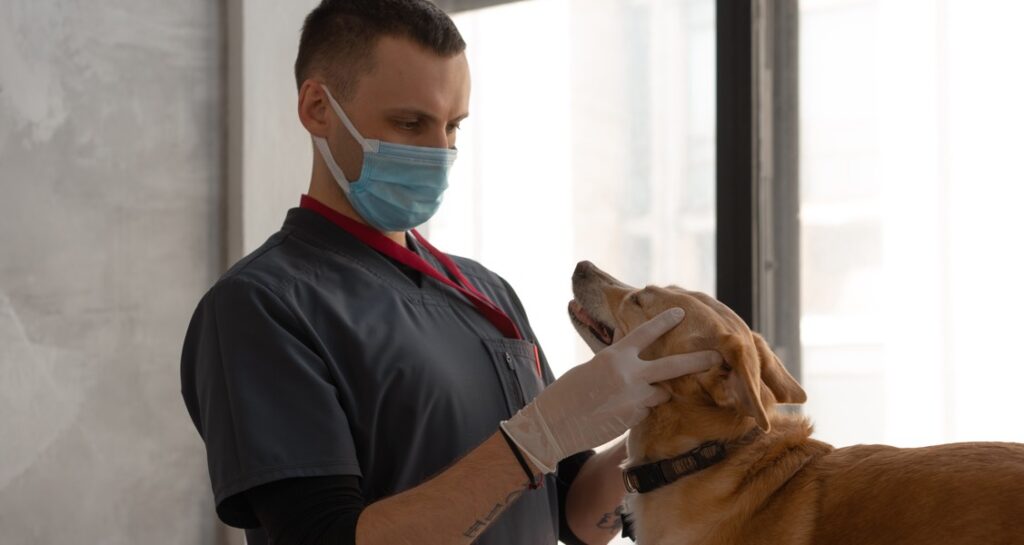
(325, 153)
(325, 149)
(347, 122)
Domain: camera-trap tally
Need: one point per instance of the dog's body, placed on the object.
(784, 487)
(777, 485)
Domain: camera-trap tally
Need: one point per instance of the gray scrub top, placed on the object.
(316, 355)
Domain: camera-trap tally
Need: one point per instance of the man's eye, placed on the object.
(453, 128)
(408, 125)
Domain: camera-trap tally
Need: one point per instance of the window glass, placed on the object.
(590, 136)
(911, 187)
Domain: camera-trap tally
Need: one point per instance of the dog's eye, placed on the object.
(635, 299)
(725, 367)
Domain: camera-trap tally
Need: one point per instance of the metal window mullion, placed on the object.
(734, 169)
(762, 175)
(455, 6)
(757, 169)
(779, 181)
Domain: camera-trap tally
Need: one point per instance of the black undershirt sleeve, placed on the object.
(568, 469)
(309, 510)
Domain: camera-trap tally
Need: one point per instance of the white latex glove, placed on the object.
(599, 400)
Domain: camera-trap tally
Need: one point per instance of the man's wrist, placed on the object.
(612, 460)
(530, 433)
(533, 477)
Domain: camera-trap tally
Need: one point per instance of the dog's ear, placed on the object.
(743, 377)
(783, 386)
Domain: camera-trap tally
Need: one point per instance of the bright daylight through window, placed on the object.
(910, 211)
(592, 139)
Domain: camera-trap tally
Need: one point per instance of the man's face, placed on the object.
(412, 96)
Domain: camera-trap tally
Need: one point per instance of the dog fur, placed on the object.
(777, 484)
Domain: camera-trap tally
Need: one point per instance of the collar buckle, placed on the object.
(631, 481)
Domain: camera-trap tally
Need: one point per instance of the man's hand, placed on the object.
(597, 401)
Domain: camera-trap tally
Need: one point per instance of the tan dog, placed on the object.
(775, 484)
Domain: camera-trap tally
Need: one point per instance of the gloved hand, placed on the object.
(599, 400)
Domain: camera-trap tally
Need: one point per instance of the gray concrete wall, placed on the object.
(111, 130)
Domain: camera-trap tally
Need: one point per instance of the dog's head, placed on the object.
(750, 380)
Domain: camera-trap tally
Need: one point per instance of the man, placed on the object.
(349, 380)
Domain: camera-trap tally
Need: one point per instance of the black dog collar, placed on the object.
(652, 476)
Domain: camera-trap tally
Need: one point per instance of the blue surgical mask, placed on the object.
(399, 187)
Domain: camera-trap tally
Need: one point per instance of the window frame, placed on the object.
(455, 6)
(757, 169)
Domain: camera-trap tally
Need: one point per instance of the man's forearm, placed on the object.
(454, 507)
(594, 504)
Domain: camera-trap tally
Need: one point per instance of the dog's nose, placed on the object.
(583, 268)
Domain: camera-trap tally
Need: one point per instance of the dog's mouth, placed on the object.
(601, 331)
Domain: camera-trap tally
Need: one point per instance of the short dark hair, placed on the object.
(339, 37)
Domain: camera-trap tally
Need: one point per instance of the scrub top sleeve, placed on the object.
(263, 400)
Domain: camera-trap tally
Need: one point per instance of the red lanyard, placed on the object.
(374, 239)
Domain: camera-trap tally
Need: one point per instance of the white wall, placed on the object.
(269, 153)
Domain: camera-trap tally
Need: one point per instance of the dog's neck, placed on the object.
(653, 475)
(649, 443)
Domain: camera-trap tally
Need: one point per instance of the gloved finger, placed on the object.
(651, 330)
(678, 365)
(657, 396)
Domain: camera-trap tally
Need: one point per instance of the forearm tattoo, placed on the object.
(480, 524)
(612, 522)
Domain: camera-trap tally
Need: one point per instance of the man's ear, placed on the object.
(743, 380)
(313, 108)
(782, 385)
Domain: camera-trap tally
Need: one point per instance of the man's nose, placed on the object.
(440, 139)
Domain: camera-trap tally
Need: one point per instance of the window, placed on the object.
(910, 239)
(591, 136)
